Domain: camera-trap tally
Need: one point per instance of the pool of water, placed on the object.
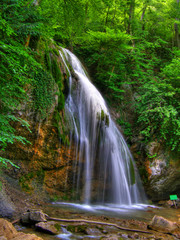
(138, 212)
(141, 212)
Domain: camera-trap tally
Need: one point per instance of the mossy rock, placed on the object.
(77, 228)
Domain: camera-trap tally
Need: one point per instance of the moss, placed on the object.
(102, 115)
(58, 123)
(71, 228)
(61, 102)
(77, 229)
(107, 120)
(55, 51)
(56, 72)
(57, 226)
(47, 60)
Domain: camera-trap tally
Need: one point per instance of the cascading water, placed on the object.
(104, 171)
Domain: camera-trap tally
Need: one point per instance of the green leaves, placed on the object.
(158, 115)
(17, 67)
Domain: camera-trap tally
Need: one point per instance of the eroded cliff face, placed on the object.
(163, 172)
(160, 171)
(46, 166)
(159, 168)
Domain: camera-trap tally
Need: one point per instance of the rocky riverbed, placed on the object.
(70, 223)
(127, 224)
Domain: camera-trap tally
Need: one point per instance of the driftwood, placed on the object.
(16, 221)
(96, 222)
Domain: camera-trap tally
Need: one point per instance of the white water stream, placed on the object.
(105, 172)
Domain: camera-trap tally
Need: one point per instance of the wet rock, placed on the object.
(93, 231)
(37, 216)
(6, 229)
(33, 216)
(3, 238)
(48, 227)
(7, 208)
(80, 228)
(8, 232)
(110, 237)
(23, 236)
(159, 223)
(124, 236)
(135, 236)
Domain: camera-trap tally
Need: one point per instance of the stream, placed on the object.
(136, 216)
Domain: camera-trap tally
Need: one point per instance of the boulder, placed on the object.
(37, 216)
(3, 238)
(8, 232)
(49, 227)
(110, 237)
(159, 223)
(93, 231)
(6, 229)
(7, 208)
(33, 216)
(24, 236)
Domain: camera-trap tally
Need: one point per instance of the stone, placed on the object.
(159, 223)
(93, 231)
(8, 232)
(135, 236)
(6, 229)
(33, 216)
(37, 216)
(24, 236)
(7, 208)
(124, 235)
(110, 237)
(25, 218)
(48, 227)
(3, 238)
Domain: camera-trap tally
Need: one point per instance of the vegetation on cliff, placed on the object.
(126, 45)
(25, 76)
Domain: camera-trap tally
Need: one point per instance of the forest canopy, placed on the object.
(124, 44)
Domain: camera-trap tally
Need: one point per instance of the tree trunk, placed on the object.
(131, 17)
(107, 17)
(142, 17)
(177, 34)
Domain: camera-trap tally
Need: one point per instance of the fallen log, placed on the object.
(16, 221)
(97, 222)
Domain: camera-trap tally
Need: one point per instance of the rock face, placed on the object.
(8, 232)
(164, 174)
(45, 165)
(7, 207)
(159, 170)
(161, 224)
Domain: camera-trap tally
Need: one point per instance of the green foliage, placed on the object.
(158, 112)
(122, 42)
(43, 92)
(19, 69)
(126, 126)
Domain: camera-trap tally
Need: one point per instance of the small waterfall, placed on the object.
(104, 170)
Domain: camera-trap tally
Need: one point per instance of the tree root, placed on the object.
(96, 222)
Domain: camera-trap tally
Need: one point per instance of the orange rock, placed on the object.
(8, 231)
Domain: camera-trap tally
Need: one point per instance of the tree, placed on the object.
(16, 66)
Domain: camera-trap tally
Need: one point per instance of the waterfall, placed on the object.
(104, 170)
